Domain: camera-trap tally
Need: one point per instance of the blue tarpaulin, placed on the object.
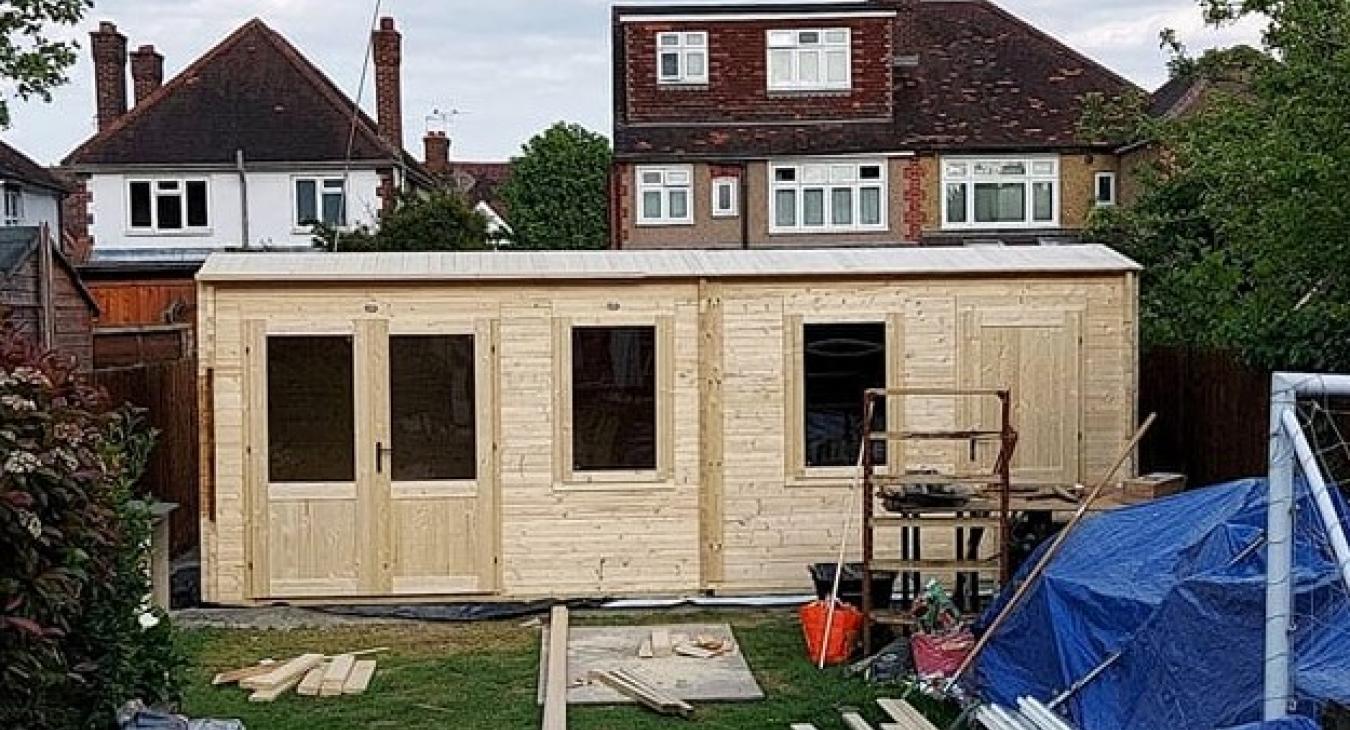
(1177, 588)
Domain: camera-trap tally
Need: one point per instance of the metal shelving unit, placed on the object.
(969, 519)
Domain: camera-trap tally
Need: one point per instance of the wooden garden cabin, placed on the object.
(508, 425)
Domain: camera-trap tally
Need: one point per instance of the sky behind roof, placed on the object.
(494, 72)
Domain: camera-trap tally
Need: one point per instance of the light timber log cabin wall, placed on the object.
(729, 504)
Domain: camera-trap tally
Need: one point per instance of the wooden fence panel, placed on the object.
(168, 391)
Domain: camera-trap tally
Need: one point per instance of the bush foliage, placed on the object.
(558, 194)
(440, 220)
(76, 636)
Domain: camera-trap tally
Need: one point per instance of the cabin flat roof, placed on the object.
(662, 264)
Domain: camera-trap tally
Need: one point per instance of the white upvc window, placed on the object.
(13, 205)
(724, 197)
(1002, 192)
(813, 59)
(827, 196)
(682, 58)
(320, 200)
(1104, 189)
(168, 206)
(664, 195)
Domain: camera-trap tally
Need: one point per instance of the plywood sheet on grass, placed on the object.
(719, 679)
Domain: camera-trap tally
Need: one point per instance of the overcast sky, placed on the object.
(512, 67)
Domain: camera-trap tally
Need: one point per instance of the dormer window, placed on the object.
(682, 58)
(810, 60)
(167, 206)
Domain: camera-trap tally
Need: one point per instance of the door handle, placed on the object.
(380, 451)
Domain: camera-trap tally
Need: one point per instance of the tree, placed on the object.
(31, 62)
(558, 192)
(1240, 220)
(437, 221)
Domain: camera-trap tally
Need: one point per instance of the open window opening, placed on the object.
(614, 398)
(310, 413)
(840, 361)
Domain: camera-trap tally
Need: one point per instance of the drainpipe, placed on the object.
(743, 207)
(243, 198)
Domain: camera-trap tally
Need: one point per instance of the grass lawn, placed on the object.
(482, 675)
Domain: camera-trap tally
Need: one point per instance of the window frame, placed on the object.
(1097, 179)
(155, 229)
(801, 183)
(797, 473)
(565, 477)
(665, 188)
(682, 50)
(732, 184)
(1028, 179)
(798, 50)
(320, 182)
(13, 214)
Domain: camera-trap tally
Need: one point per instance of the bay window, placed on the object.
(682, 58)
(1000, 193)
(663, 195)
(827, 197)
(167, 206)
(320, 200)
(809, 59)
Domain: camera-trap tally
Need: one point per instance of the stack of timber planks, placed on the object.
(903, 717)
(310, 675)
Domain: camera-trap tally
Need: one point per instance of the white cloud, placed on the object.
(515, 66)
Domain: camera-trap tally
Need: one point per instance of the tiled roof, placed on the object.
(15, 165)
(253, 92)
(480, 182)
(984, 80)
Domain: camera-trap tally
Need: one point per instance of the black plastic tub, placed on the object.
(850, 584)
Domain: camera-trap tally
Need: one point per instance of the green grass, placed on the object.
(483, 675)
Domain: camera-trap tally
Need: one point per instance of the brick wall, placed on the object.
(79, 242)
(737, 88)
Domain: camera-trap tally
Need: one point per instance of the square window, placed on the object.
(613, 398)
(1000, 202)
(651, 205)
(1002, 193)
(670, 65)
(809, 59)
(829, 196)
(663, 195)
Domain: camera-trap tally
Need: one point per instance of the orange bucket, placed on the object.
(844, 630)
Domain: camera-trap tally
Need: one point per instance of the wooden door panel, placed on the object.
(313, 548)
(436, 545)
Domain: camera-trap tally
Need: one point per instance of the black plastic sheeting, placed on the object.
(456, 612)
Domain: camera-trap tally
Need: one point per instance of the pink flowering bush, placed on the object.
(76, 636)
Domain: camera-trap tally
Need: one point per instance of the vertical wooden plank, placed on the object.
(711, 500)
(374, 512)
(255, 446)
(486, 408)
(555, 681)
(562, 399)
(895, 378)
(665, 397)
(794, 440)
(1072, 432)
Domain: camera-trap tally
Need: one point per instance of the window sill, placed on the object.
(799, 93)
(978, 227)
(662, 224)
(682, 85)
(826, 231)
(179, 232)
(615, 481)
(828, 477)
(723, 216)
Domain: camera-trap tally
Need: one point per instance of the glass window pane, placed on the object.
(694, 67)
(870, 172)
(816, 173)
(836, 36)
(696, 39)
(670, 39)
(677, 177)
(725, 191)
(785, 208)
(807, 37)
(196, 203)
(785, 174)
(431, 407)
(670, 65)
(869, 202)
(841, 206)
(781, 38)
(813, 207)
(651, 177)
(1000, 202)
(169, 211)
(679, 204)
(334, 213)
(956, 169)
(956, 203)
(1043, 167)
(305, 203)
(780, 67)
(140, 204)
(836, 67)
(651, 204)
(1106, 189)
(613, 398)
(310, 426)
(809, 68)
(1043, 201)
(839, 362)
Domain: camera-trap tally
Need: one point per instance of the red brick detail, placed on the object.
(78, 243)
(737, 88)
(387, 192)
(110, 73)
(621, 204)
(436, 152)
(717, 171)
(387, 51)
(147, 72)
(912, 192)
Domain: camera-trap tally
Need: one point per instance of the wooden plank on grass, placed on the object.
(335, 678)
(359, 679)
(269, 694)
(313, 681)
(904, 714)
(801, 726)
(294, 669)
(661, 644)
(242, 673)
(630, 685)
(555, 681)
(854, 721)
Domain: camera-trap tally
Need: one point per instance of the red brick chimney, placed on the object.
(147, 72)
(436, 152)
(110, 73)
(387, 48)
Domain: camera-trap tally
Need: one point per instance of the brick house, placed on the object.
(479, 182)
(878, 122)
(245, 148)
